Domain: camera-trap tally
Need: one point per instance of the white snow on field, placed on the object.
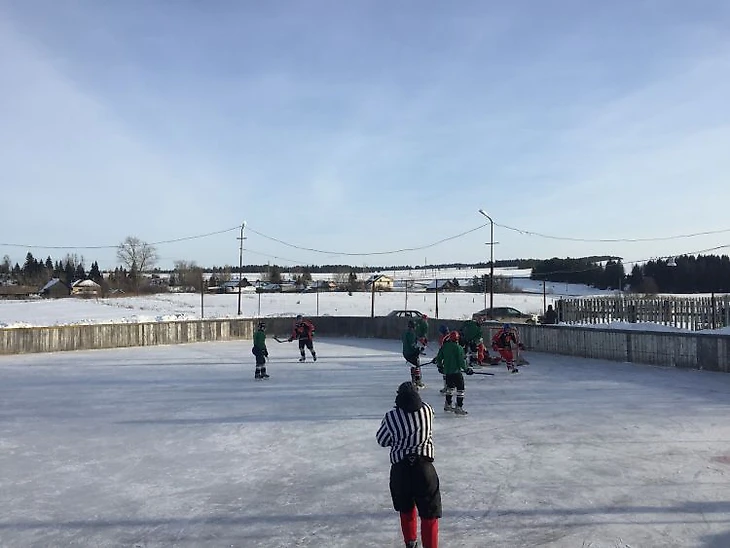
(532, 298)
(179, 446)
(166, 306)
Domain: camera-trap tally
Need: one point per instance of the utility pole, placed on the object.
(491, 258)
(240, 265)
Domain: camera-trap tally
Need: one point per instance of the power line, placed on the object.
(371, 253)
(394, 251)
(175, 240)
(613, 240)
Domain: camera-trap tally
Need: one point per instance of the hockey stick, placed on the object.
(277, 339)
(483, 373)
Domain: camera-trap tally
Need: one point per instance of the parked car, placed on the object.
(503, 314)
(406, 314)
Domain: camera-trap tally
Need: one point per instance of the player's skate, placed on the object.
(448, 408)
(314, 356)
(460, 411)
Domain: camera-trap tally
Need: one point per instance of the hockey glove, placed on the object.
(289, 339)
(469, 371)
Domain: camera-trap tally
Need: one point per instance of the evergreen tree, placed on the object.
(95, 273)
(68, 273)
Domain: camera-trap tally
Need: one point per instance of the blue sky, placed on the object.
(356, 127)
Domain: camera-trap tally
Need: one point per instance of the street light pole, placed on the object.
(491, 258)
(240, 266)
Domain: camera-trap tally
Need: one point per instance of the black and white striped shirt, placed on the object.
(407, 433)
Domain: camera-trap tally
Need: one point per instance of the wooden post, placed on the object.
(437, 298)
(372, 298)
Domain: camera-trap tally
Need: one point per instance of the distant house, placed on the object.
(323, 285)
(379, 282)
(17, 291)
(269, 288)
(443, 285)
(85, 288)
(55, 288)
(232, 287)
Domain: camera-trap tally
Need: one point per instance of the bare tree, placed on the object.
(136, 254)
(188, 274)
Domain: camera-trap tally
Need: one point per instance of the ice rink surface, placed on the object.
(179, 446)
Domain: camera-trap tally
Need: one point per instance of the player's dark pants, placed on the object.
(455, 383)
(306, 343)
(260, 357)
(412, 359)
(415, 366)
(260, 362)
(414, 481)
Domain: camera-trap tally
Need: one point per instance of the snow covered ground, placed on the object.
(186, 306)
(179, 446)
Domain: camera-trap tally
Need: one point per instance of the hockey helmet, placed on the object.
(443, 329)
(411, 324)
(262, 326)
(506, 327)
(454, 336)
(299, 317)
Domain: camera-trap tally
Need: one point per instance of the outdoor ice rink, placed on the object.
(179, 446)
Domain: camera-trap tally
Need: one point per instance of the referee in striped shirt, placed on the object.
(414, 483)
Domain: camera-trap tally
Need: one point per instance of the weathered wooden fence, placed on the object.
(694, 313)
(682, 349)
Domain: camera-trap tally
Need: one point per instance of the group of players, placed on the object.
(303, 332)
(459, 351)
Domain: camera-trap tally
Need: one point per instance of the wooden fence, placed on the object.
(694, 313)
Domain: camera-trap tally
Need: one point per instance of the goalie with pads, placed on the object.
(505, 341)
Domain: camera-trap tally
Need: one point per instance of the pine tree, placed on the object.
(95, 273)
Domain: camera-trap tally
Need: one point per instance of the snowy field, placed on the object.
(179, 446)
(169, 306)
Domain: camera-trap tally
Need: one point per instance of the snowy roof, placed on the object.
(439, 283)
(51, 283)
(86, 283)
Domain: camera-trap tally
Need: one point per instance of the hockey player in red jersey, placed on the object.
(304, 332)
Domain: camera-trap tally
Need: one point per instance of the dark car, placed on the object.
(503, 314)
(406, 314)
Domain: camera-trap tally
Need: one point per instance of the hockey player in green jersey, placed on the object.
(451, 362)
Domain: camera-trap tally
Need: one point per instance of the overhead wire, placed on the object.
(388, 252)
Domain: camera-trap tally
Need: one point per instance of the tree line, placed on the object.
(681, 274)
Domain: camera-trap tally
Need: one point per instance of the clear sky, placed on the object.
(363, 127)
